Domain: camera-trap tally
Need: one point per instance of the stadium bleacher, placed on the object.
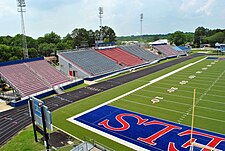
(222, 47)
(22, 79)
(183, 48)
(141, 53)
(167, 50)
(30, 77)
(91, 61)
(47, 72)
(121, 57)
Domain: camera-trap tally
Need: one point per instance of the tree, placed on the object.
(52, 38)
(46, 49)
(68, 40)
(91, 38)
(17, 51)
(6, 40)
(108, 34)
(63, 46)
(31, 42)
(200, 32)
(17, 40)
(155, 37)
(80, 37)
(5, 53)
(217, 37)
(178, 38)
(33, 53)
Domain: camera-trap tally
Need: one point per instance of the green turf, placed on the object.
(60, 116)
(210, 97)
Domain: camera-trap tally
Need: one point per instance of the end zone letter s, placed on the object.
(125, 125)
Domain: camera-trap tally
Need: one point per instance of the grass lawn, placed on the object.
(24, 141)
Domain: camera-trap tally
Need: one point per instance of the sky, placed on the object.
(159, 16)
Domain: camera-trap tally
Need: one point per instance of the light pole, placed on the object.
(21, 8)
(141, 20)
(100, 17)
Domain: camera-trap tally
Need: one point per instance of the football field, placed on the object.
(165, 96)
(171, 98)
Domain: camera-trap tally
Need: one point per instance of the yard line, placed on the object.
(186, 86)
(151, 106)
(216, 95)
(143, 104)
(186, 97)
(210, 109)
(204, 94)
(189, 80)
(166, 100)
(219, 86)
(170, 87)
(209, 118)
(202, 74)
(213, 102)
(199, 76)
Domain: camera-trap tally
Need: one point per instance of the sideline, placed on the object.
(118, 140)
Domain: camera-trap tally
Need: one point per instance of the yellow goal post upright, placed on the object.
(194, 145)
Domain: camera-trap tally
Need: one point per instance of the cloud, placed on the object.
(206, 7)
(62, 16)
(7, 7)
(187, 5)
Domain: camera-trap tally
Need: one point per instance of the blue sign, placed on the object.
(37, 104)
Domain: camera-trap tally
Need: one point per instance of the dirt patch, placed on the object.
(4, 106)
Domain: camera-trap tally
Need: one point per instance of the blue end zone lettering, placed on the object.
(148, 132)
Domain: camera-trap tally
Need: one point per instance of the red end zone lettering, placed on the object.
(150, 140)
(149, 132)
(124, 124)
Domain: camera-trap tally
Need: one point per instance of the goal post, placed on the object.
(197, 146)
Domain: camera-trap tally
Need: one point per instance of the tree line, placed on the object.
(11, 47)
(200, 36)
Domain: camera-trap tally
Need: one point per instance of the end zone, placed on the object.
(141, 132)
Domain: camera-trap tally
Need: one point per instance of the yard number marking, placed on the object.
(183, 82)
(199, 72)
(172, 89)
(156, 99)
(192, 77)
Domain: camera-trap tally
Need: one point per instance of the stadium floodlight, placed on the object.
(141, 20)
(21, 8)
(100, 17)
